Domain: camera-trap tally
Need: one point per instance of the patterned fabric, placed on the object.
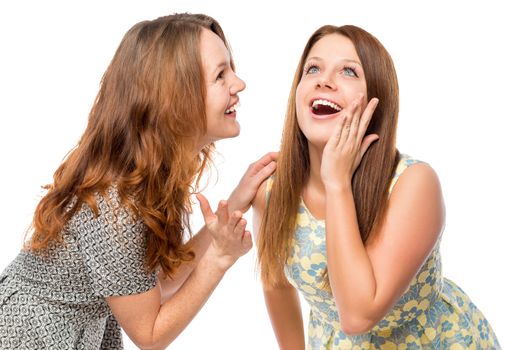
(433, 313)
(57, 300)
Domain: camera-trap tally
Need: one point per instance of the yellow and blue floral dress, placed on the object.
(434, 313)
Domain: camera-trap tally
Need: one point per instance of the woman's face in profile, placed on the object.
(222, 87)
(332, 79)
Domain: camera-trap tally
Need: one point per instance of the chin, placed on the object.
(230, 134)
(318, 139)
(235, 134)
(236, 130)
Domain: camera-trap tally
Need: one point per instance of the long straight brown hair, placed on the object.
(371, 180)
(141, 137)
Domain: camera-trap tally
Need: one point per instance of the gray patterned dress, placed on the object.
(57, 301)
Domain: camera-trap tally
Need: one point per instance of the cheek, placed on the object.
(216, 100)
(351, 92)
(318, 133)
(300, 105)
(361, 89)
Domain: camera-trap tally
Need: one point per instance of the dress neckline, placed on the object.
(306, 209)
(403, 160)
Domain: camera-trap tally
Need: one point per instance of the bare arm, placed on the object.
(367, 280)
(152, 325)
(240, 199)
(170, 285)
(283, 306)
(282, 301)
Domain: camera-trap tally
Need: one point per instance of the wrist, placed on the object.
(235, 203)
(234, 206)
(203, 233)
(219, 261)
(337, 187)
(232, 202)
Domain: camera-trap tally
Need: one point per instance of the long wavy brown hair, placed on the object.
(371, 180)
(141, 137)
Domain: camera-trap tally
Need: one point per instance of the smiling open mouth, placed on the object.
(233, 108)
(324, 107)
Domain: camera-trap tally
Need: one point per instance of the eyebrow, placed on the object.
(344, 60)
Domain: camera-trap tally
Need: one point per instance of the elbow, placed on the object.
(149, 346)
(356, 325)
(146, 343)
(153, 342)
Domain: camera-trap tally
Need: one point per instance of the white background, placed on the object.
(460, 71)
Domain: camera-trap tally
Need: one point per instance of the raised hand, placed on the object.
(347, 145)
(257, 172)
(229, 238)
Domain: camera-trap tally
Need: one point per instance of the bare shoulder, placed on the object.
(413, 222)
(418, 179)
(411, 227)
(259, 203)
(417, 198)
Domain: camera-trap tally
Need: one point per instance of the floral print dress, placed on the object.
(434, 313)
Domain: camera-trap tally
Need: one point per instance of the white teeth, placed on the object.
(326, 103)
(233, 108)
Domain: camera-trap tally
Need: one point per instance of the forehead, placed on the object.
(334, 47)
(212, 49)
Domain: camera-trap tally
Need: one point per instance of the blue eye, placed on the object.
(350, 72)
(312, 69)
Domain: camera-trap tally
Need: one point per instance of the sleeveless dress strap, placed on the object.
(405, 162)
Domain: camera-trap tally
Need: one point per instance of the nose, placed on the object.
(325, 81)
(237, 86)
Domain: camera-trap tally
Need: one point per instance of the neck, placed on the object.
(315, 160)
(200, 145)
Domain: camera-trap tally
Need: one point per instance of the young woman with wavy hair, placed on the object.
(350, 222)
(107, 247)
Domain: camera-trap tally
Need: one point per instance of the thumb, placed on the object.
(222, 212)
